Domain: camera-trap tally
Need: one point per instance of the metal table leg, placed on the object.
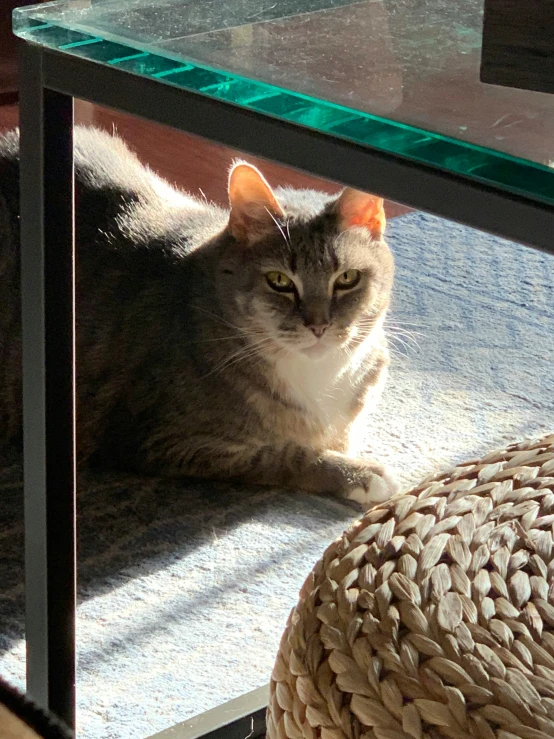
(48, 286)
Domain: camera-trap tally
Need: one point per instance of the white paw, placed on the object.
(359, 495)
(380, 489)
(376, 490)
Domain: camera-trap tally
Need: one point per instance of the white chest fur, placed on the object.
(326, 388)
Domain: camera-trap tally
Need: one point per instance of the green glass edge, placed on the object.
(501, 170)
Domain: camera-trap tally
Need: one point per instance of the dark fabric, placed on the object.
(44, 724)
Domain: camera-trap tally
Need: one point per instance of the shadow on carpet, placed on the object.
(132, 526)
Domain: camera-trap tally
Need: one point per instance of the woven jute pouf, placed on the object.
(433, 616)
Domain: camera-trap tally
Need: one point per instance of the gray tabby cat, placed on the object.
(241, 344)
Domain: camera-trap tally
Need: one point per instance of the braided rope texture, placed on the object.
(432, 616)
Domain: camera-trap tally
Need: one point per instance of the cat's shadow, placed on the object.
(132, 526)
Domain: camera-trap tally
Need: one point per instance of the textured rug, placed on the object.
(185, 587)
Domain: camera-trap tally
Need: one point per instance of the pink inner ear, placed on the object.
(253, 204)
(247, 187)
(360, 209)
(372, 218)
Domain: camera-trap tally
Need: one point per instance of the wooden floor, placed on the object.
(191, 163)
(8, 117)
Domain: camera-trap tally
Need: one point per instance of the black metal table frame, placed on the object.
(49, 81)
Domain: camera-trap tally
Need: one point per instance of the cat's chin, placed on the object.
(316, 351)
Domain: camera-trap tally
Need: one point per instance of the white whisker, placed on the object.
(234, 337)
(242, 354)
(404, 338)
(214, 315)
(288, 230)
(403, 332)
(407, 347)
(276, 222)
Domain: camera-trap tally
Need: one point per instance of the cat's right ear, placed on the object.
(355, 208)
(254, 207)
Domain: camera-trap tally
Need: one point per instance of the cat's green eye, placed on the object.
(280, 282)
(348, 279)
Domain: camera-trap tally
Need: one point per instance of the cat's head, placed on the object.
(309, 271)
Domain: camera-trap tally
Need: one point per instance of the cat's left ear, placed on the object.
(355, 208)
(254, 207)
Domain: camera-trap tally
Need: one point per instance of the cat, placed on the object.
(227, 344)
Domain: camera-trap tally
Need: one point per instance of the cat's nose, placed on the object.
(318, 329)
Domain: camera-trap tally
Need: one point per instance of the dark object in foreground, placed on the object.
(21, 718)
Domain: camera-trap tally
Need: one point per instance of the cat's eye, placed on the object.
(348, 279)
(280, 281)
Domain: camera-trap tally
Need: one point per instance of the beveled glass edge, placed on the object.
(512, 174)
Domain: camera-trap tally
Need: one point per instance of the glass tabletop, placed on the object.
(398, 75)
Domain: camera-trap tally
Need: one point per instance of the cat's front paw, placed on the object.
(369, 482)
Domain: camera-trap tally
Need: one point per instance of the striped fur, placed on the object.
(188, 362)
